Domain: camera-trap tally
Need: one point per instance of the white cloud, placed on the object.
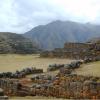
(22, 15)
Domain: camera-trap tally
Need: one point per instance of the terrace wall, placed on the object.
(74, 51)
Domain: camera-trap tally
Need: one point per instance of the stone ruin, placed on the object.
(75, 51)
(2, 96)
(69, 86)
(62, 85)
(21, 74)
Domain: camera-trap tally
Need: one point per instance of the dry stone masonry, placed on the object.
(62, 85)
(75, 51)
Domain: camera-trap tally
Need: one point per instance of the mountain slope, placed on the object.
(15, 43)
(55, 34)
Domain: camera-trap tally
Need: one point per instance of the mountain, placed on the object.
(15, 43)
(55, 34)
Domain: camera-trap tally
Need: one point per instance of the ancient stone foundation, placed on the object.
(62, 85)
(75, 51)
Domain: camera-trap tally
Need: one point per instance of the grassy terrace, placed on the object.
(89, 69)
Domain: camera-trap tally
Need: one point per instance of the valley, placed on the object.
(49, 50)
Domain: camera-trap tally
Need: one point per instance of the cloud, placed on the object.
(22, 15)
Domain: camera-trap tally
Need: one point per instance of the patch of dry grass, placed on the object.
(34, 98)
(92, 69)
(12, 62)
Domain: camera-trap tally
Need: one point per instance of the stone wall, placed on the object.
(74, 51)
(9, 86)
(77, 45)
(62, 85)
(67, 86)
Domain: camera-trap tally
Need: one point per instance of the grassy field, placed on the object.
(12, 62)
(92, 69)
(17, 62)
(34, 98)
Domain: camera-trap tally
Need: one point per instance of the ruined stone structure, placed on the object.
(2, 95)
(9, 86)
(77, 46)
(75, 51)
(62, 85)
(70, 86)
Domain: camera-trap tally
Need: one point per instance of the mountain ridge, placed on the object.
(55, 34)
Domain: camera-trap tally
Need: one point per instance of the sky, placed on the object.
(20, 16)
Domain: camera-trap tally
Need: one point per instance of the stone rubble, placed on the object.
(63, 85)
